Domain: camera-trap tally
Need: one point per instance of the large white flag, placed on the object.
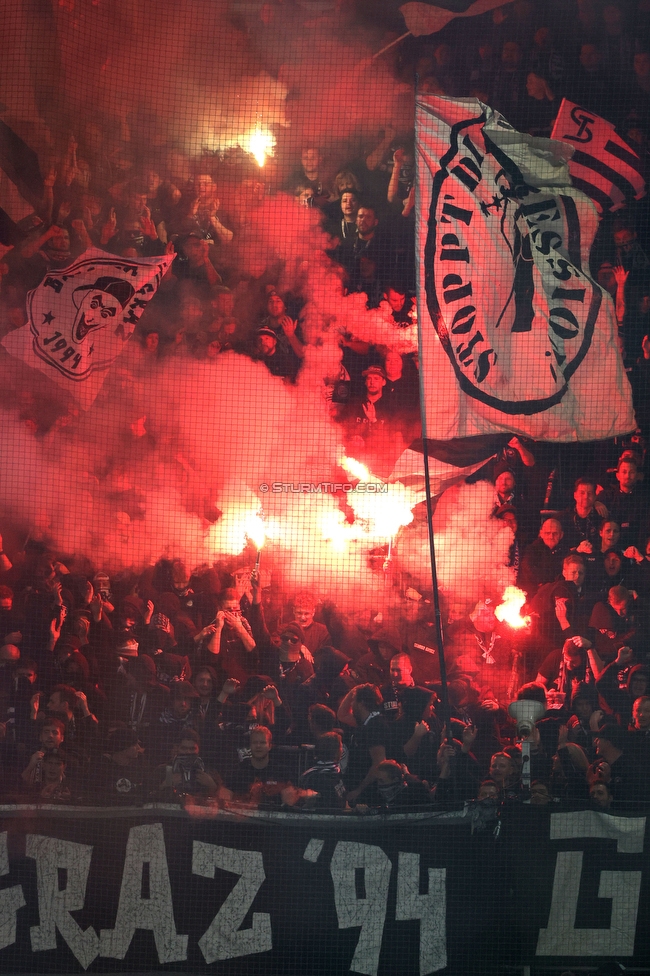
(80, 317)
(515, 335)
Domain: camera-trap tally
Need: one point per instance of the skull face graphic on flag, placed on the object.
(515, 335)
(80, 318)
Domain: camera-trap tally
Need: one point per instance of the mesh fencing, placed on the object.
(255, 259)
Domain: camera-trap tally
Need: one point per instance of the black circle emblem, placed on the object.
(505, 288)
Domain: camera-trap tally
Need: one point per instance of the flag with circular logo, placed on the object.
(80, 318)
(515, 334)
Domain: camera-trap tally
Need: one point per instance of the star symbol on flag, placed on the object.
(48, 317)
(487, 207)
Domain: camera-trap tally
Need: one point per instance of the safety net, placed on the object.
(325, 533)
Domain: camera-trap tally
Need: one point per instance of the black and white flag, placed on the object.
(515, 335)
(80, 318)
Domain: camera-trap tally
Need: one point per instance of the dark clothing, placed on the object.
(423, 763)
(374, 732)
(627, 783)
(409, 794)
(578, 529)
(285, 675)
(611, 631)
(581, 735)
(326, 780)
(462, 783)
(355, 417)
(282, 362)
(559, 677)
(579, 605)
(316, 636)
(117, 783)
(638, 752)
(628, 509)
(613, 690)
(540, 565)
(234, 660)
(272, 779)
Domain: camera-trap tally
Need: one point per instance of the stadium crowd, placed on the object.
(167, 683)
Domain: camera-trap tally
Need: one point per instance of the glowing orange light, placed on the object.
(355, 468)
(510, 609)
(336, 531)
(260, 144)
(385, 507)
(255, 529)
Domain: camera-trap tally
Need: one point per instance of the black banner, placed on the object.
(156, 889)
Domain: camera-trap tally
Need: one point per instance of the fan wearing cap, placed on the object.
(135, 698)
(193, 260)
(365, 417)
(279, 357)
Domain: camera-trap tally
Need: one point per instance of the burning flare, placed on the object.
(260, 143)
(255, 529)
(384, 507)
(509, 610)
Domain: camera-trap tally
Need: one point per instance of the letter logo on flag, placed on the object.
(515, 335)
(603, 165)
(81, 316)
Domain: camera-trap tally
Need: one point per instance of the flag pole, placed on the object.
(444, 691)
(389, 46)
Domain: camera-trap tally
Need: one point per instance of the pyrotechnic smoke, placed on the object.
(471, 548)
(171, 458)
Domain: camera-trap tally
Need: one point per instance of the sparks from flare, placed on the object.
(509, 610)
(261, 143)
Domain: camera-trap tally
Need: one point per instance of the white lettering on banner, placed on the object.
(11, 899)
(368, 912)
(146, 845)
(430, 909)
(561, 938)
(55, 904)
(224, 939)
